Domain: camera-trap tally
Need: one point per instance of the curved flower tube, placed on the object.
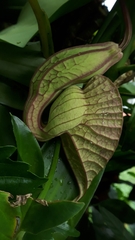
(88, 120)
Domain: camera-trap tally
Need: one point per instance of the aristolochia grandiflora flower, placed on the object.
(88, 119)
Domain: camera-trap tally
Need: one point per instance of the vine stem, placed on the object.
(128, 25)
(52, 170)
(44, 28)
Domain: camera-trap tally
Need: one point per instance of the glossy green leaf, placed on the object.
(63, 185)
(9, 217)
(6, 151)
(28, 148)
(20, 185)
(39, 217)
(16, 179)
(57, 233)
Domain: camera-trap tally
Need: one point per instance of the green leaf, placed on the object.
(22, 66)
(63, 184)
(128, 88)
(16, 179)
(28, 148)
(108, 227)
(6, 151)
(118, 207)
(20, 185)
(9, 217)
(115, 225)
(87, 198)
(57, 233)
(12, 95)
(39, 217)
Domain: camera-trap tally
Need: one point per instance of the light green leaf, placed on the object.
(9, 217)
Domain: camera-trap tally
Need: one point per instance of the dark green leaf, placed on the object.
(87, 198)
(60, 232)
(12, 95)
(120, 209)
(6, 151)
(64, 185)
(28, 148)
(40, 218)
(21, 63)
(20, 185)
(115, 225)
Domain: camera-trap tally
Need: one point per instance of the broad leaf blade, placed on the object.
(61, 232)
(40, 218)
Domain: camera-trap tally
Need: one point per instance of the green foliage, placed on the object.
(41, 169)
